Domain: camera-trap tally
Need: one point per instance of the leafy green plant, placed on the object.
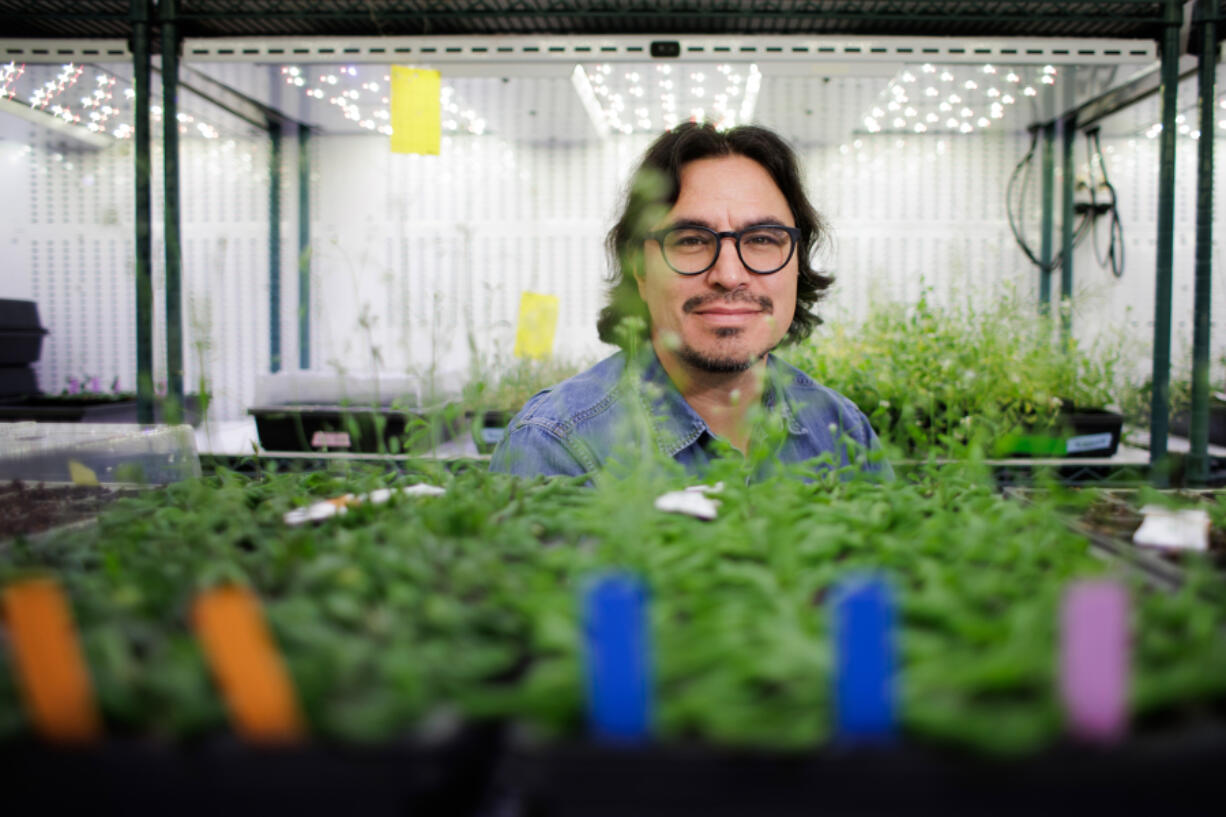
(946, 379)
(393, 617)
(505, 388)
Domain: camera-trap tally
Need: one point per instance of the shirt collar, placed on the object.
(676, 425)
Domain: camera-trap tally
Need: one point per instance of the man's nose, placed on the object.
(728, 271)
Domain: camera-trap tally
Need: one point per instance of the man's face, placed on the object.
(727, 318)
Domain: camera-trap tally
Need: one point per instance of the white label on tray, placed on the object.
(1088, 442)
(330, 439)
(1185, 529)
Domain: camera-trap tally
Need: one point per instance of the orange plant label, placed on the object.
(51, 671)
(247, 667)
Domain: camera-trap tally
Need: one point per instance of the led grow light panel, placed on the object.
(631, 98)
(345, 99)
(97, 101)
(962, 99)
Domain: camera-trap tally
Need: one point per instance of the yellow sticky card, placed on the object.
(54, 679)
(248, 668)
(81, 474)
(416, 117)
(538, 323)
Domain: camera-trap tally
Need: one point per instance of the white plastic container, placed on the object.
(97, 453)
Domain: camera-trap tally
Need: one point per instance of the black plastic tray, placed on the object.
(81, 409)
(1181, 424)
(361, 429)
(17, 381)
(223, 776)
(1079, 433)
(20, 346)
(1173, 774)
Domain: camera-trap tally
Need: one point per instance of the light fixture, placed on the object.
(967, 100)
(723, 94)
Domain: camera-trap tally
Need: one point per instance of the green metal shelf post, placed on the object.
(1160, 407)
(1198, 459)
(170, 175)
(144, 209)
(304, 247)
(274, 246)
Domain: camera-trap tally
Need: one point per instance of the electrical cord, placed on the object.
(1115, 244)
(1023, 170)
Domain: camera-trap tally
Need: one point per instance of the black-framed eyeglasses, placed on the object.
(694, 250)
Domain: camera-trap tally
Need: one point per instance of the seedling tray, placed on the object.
(1172, 773)
(72, 409)
(224, 776)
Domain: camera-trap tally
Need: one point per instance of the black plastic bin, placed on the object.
(1081, 432)
(21, 334)
(17, 382)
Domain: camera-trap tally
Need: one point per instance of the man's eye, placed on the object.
(689, 240)
(764, 239)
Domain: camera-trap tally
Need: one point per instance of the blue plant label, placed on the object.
(865, 660)
(617, 657)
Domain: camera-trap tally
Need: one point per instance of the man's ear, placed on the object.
(635, 265)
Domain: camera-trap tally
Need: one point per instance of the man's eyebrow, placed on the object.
(762, 221)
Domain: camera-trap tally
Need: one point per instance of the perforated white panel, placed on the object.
(419, 261)
(78, 250)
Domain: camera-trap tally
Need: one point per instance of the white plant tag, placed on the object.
(336, 506)
(1186, 529)
(422, 489)
(1088, 442)
(693, 501)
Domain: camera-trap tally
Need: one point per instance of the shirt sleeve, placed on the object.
(528, 450)
(875, 461)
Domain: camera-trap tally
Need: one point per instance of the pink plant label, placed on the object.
(1094, 660)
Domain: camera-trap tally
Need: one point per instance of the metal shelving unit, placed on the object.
(512, 30)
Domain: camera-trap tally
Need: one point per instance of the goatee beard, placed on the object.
(718, 365)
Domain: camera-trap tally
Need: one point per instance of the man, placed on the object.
(711, 271)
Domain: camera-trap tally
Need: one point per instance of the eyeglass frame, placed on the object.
(658, 237)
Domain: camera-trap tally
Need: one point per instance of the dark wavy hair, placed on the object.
(654, 188)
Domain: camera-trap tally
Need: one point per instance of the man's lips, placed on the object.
(727, 316)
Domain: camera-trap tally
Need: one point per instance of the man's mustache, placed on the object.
(737, 295)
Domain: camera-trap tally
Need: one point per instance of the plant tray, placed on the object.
(358, 429)
(1172, 774)
(223, 776)
(1081, 433)
(1181, 424)
(86, 408)
(97, 453)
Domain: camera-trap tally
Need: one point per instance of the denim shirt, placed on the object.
(607, 412)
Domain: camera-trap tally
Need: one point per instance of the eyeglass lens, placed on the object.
(694, 249)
